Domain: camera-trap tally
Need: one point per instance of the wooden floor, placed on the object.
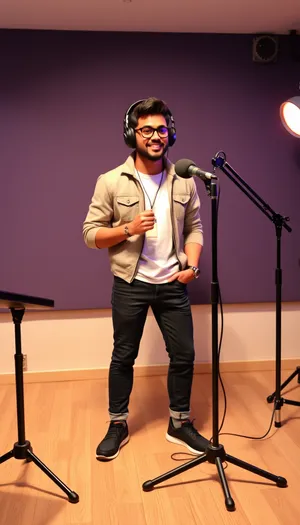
(65, 421)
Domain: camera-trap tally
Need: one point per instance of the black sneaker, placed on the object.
(116, 437)
(188, 436)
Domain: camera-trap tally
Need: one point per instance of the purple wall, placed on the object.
(62, 100)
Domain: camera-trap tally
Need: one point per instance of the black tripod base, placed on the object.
(217, 455)
(280, 401)
(24, 451)
(271, 398)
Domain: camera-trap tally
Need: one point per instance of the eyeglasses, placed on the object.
(147, 131)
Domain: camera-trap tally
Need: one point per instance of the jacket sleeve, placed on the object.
(100, 212)
(193, 231)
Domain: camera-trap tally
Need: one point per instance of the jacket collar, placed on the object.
(129, 167)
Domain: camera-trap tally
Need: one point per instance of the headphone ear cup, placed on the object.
(172, 132)
(129, 137)
(128, 130)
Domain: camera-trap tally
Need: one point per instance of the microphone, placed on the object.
(186, 168)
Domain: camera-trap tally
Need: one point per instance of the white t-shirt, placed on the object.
(158, 260)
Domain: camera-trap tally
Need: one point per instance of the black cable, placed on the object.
(252, 437)
(222, 327)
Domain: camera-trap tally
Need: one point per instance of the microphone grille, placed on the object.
(182, 166)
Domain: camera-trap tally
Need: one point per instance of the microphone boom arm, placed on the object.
(220, 162)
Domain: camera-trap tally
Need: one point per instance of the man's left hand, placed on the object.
(184, 277)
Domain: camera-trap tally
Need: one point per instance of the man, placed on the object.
(149, 220)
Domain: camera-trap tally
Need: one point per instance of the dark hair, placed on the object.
(150, 106)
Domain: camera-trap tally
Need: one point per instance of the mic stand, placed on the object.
(22, 449)
(220, 161)
(276, 397)
(215, 452)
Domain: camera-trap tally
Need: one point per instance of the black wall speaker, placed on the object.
(265, 48)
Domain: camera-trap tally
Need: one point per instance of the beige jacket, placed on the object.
(118, 198)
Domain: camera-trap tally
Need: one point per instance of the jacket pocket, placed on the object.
(180, 203)
(126, 207)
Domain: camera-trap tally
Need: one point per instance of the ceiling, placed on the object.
(193, 16)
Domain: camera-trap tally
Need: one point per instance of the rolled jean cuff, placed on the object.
(180, 415)
(122, 416)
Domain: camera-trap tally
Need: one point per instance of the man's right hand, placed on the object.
(142, 222)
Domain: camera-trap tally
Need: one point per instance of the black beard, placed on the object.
(144, 153)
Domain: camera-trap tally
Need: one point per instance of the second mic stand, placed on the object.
(215, 452)
(280, 222)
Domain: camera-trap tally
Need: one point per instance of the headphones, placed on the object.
(129, 131)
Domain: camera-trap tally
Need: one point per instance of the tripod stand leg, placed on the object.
(148, 485)
(290, 402)
(280, 481)
(7, 456)
(73, 497)
(229, 502)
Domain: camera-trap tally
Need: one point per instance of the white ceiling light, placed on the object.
(290, 115)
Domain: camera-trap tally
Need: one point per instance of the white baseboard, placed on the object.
(150, 370)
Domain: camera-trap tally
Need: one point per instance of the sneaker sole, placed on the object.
(108, 458)
(179, 442)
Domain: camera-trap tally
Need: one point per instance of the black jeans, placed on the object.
(171, 308)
